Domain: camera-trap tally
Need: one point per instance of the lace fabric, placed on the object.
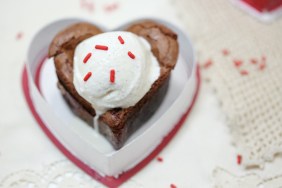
(57, 174)
(223, 178)
(241, 59)
(60, 174)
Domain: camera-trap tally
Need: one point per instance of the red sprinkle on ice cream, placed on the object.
(112, 76)
(87, 76)
(101, 47)
(131, 55)
(120, 39)
(87, 57)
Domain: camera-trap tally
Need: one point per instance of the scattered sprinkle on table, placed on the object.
(239, 159)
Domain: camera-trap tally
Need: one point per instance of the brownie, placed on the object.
(119, 123)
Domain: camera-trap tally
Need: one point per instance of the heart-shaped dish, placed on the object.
(80, 143)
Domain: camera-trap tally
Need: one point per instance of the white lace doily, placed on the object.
(60, 174)
(242, 59)
(224, 179)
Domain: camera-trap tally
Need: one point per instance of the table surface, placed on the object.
(202, 144)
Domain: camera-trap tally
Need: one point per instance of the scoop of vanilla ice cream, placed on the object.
(114, 69)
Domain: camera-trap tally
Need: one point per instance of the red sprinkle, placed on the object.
(237, 63)
(101, 47)
(253, 61)
(244, 72)
(239, 159)
(263, 58)
(262, 66)
(160, 159)
(172, 186)
(112, 76)
(87, 57)
(120, 39)
(87, 76)
(208, 64)
(111, 7)
(87, 5)
(131, 55)
(225, 52)
(19, 36)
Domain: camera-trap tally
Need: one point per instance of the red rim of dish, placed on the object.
(106, 180)
(264, 5)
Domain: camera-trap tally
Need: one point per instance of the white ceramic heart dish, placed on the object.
(81, 143)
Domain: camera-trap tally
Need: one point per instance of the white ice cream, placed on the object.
(133, 77)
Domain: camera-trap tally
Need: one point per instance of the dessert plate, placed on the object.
(82, 144)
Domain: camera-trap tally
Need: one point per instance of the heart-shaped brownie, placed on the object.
(117, 123)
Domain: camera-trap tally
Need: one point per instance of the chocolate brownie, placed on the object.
(119, 123)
